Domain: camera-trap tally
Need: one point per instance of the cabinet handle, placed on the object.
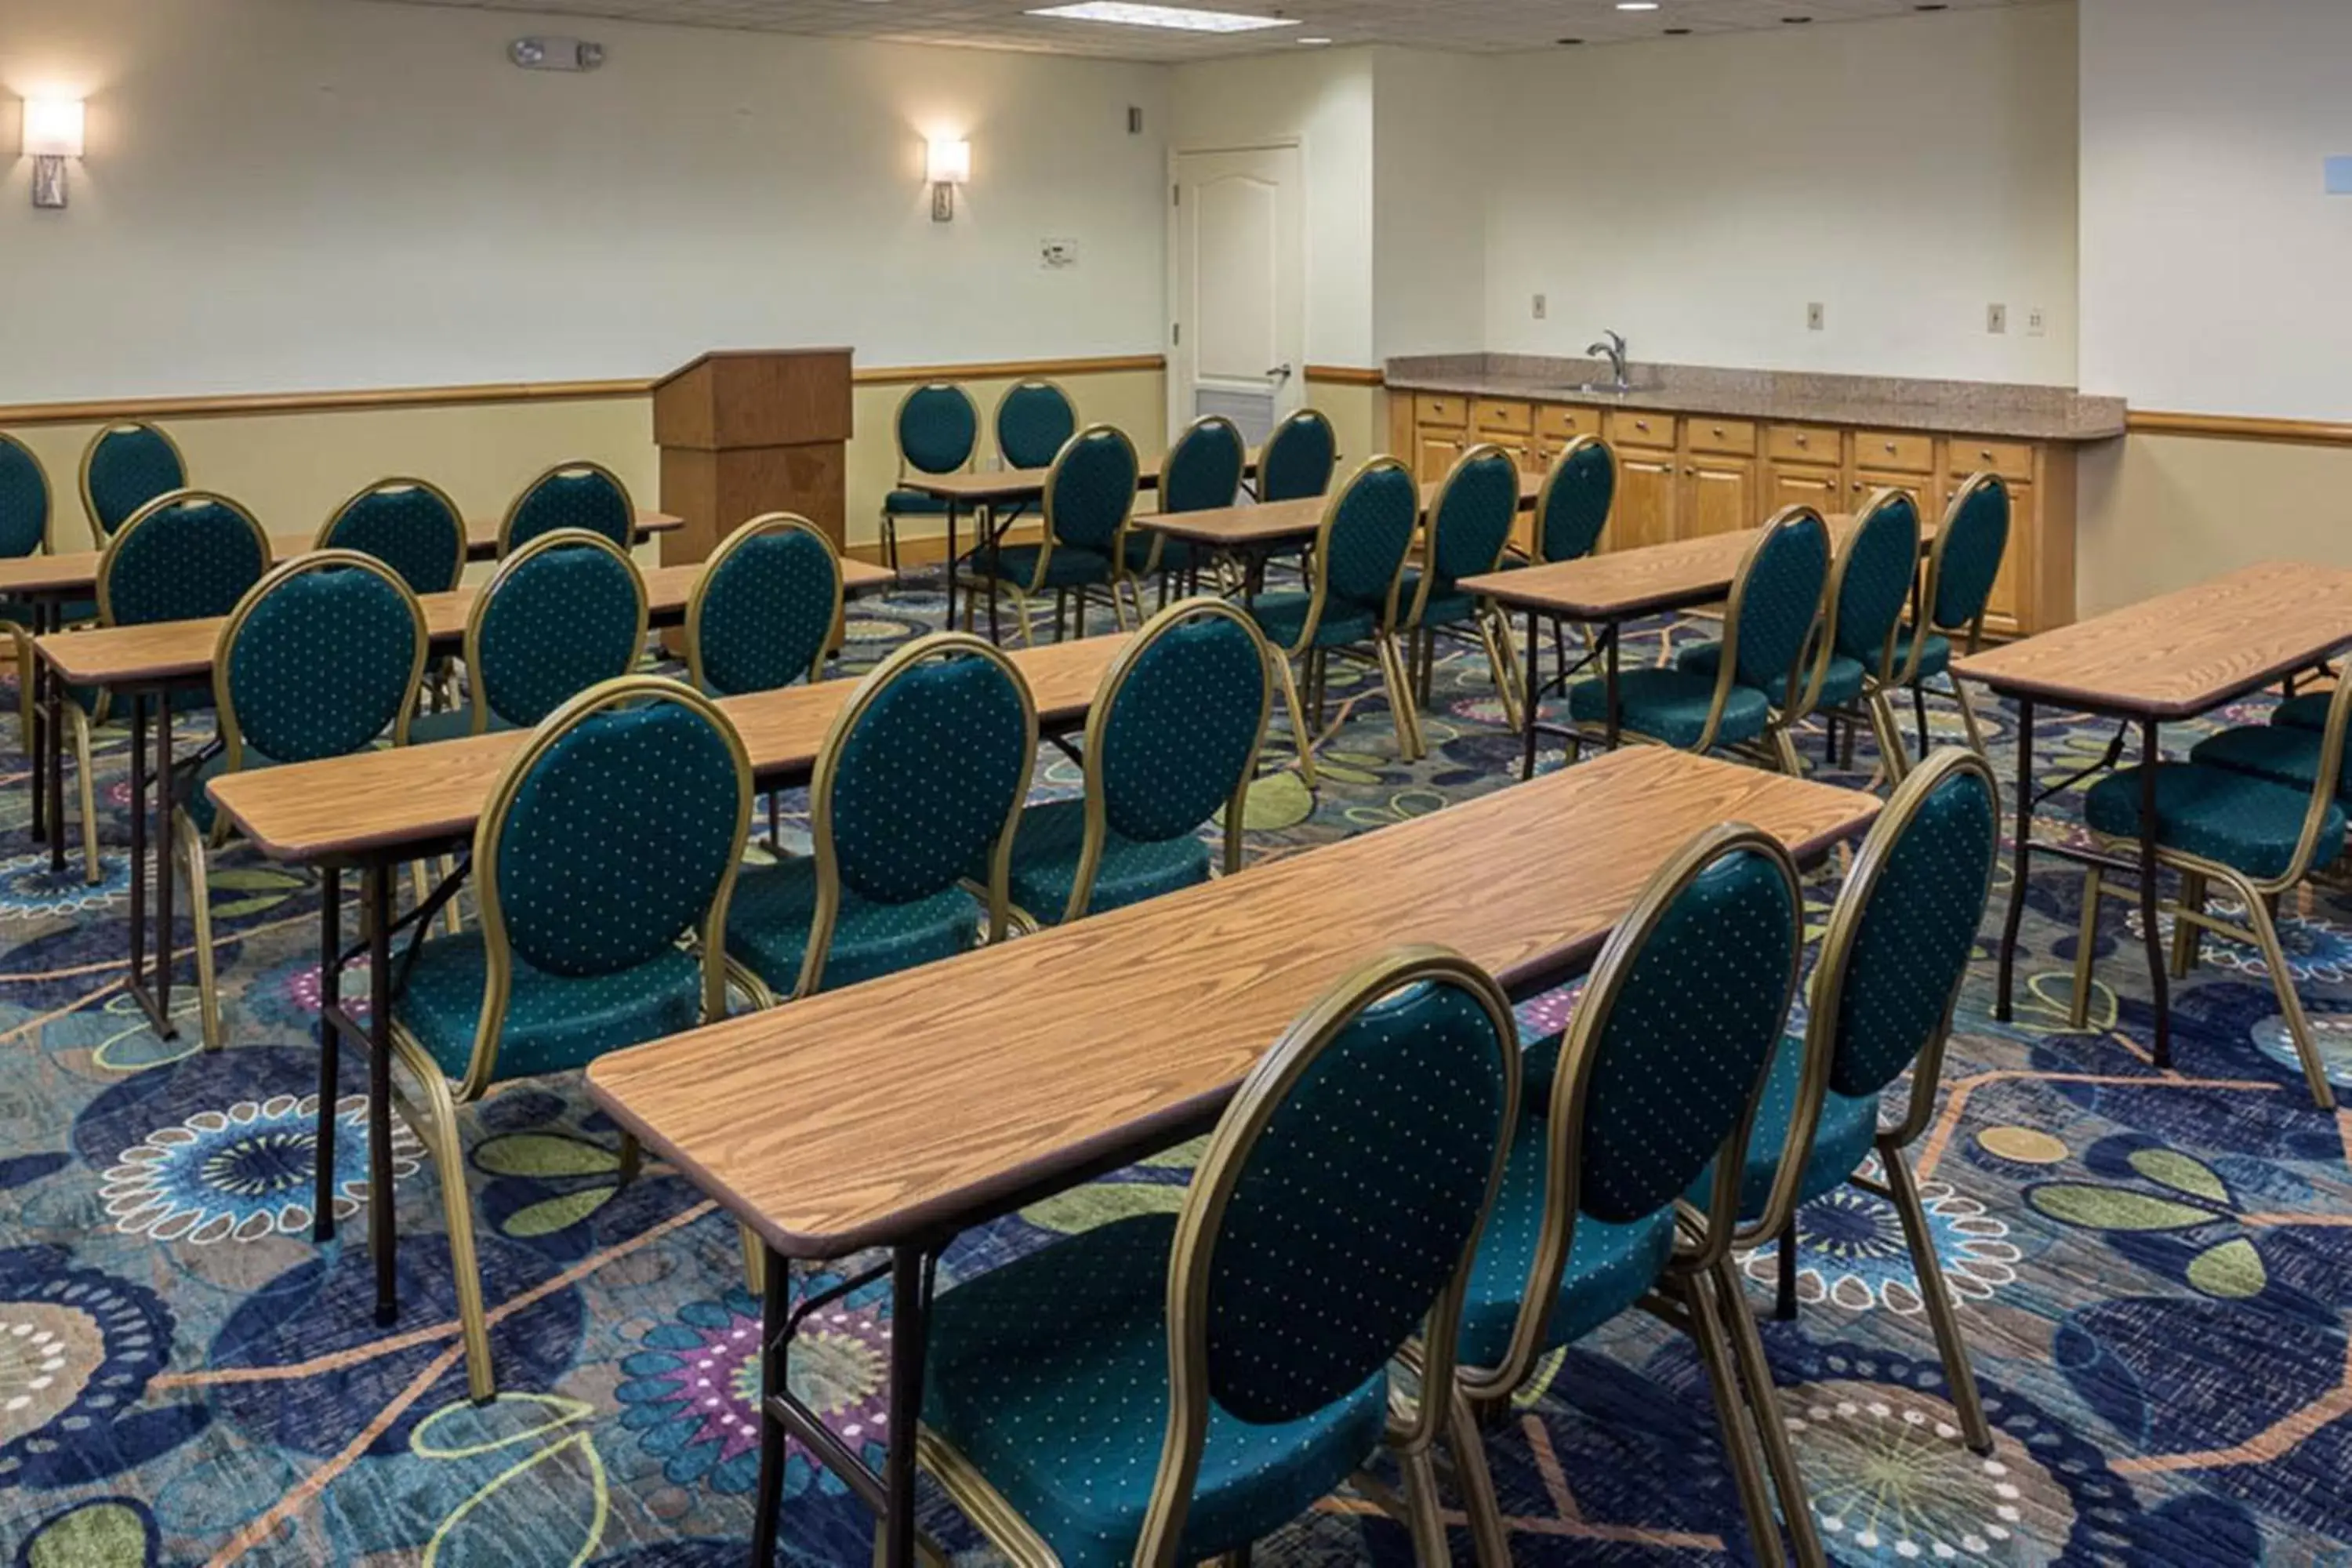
(1890, 447)
(1986, 455)
(1719, 429)
(1805, 440)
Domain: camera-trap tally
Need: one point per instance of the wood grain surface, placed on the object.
(1275, 521)
(894, 1107)
(1627, 583)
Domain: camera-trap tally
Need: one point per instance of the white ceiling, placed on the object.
(1469, 25)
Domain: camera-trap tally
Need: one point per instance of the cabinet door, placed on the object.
(2004, 610)
(1719, 496)
(1923, 490)
(1802, 484)
(1647, 485)
(1439, 448)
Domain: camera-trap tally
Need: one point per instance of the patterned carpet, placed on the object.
(2153, 1270)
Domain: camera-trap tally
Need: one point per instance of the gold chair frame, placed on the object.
(1022, 592)
(98, 534)
(1421, 640)
(765, 525)
(557, 470)
(324, 538)
(1899, 759)
(888, 532)
(21, 638)
(476, 699)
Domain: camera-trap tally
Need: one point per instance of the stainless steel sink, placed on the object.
(1605, 389)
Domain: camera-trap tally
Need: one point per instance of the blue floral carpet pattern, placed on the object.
(2152, 1267)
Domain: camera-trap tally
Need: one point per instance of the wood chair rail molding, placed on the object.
(2235, 427)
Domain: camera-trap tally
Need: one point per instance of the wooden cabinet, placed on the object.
(1804, 484)
(1920, 488)
(1648, 485)
(1717, 496)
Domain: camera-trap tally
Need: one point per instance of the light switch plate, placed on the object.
(1540, 307)
(1997, 319)
(1816, 318)
(2037, 322)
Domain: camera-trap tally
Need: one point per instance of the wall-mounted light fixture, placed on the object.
(53, 134)
(948, 166)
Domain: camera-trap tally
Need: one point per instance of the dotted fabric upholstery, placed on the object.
(617, 839)
(1880, 559)
(1974, 540)
(553, 628)
(1581, 501)
(411, 531)
(2247, 823)
(586, 499)
(1444, 608)
(1033, 422)
(925, 781)
(1091, 491)
(1841, 683)
(1370, 537)
(1672, 705)
(1067, 567)
(1045, 851)
(1182, 733)
(775, 907)
(1474, 518)
(1297, 459)
(320, 666)
(2308, 711)
(767, 612)
(914, 503)
(1354, 1205)
(1050, 1375)
(1782, 601)
(553, 1022)
(1204, 469)
(1282, 617)
(1687, 1041)
(2278, 753)
(1841, 1139)
(23, 502)
(129, 467)
(938, 427)
(1934, 660)
(183, 563)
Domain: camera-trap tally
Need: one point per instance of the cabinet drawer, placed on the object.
(1904, 451)
(1735, 438)
(1494, 414)
(1560, 423)
(1627, 428)
(2012, 461)
(1803, 444)
(1440, 408)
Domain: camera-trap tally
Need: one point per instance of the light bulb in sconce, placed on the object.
(947, 165)
(53, 134)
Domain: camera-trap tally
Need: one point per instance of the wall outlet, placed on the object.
(1055, 254)
(2037, 322)
(1816, 318)
(1540, 307)
(1996, 320)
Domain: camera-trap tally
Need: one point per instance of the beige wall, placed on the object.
(2159, 512)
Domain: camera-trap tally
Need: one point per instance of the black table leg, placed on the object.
(57, 775)
(376, 882)
(950, 624)
(164, 864)
(2020, 857)
(2159, 982)
(910, 1304)
(152, 995)
(330, 1039)
(1608, 675)
(139, 847)
(988, 529)
(35, 684)
(1534, 693)
(775, 1342)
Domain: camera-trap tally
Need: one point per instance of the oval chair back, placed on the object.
(319, 658)
(181, 557)
(1871, 581)
(1775, 601)
(1299, 457)
(921, 775)
(23, 499)
(1034, 419)
(937, 428)
(1666, 1056)
(124, 468)
(1574, 505)
(1362, 543)
(1470, 526)
(410, 525)
(571, 496)
(1173, 735)
(1090, 493)
(1968, 554)
(1203, 469)
(561, 615)
(761, 613)
(1367, 1146)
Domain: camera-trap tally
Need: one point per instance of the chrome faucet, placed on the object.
(1612, 347)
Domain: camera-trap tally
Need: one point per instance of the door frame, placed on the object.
(1174, 404)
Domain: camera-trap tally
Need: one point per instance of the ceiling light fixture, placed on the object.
(1130, 13)
(1637, 4)
(1314, 40)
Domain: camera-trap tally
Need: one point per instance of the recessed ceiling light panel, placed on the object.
(1131, 13)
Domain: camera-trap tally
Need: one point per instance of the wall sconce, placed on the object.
(53, 134)
(949, 165)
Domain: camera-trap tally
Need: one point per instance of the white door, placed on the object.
(1238, 342)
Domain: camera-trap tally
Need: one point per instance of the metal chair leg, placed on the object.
(438, 1130)
(1755, 1503)
(755, 1260)
(190, 845)
(1893, 756)
(1399, 690)
(1424, 1512)
(1490, 1542)
(85, 786)
(1937, 1298)
(1763, 1403)
(2078, 1006)
(1968, 716)
(1784, 1306)
(1301, 737)
(2298, 1025)
(2186, 934)
(1498, 662)
(1785, 749)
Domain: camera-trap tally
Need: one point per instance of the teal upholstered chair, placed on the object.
(410, 525)
(761, 613)
(1659, 1074)
(608, 844)
(321, 658)
(1299, 457)
(2243, 830)
(571, 495)
(124, 468)
(1961, 570)
(921, 776)
(1166, 1389)
(560, 615)
(25, 511)
(938, 431)
(1350, 601)
(1172, 740)
(1880, 1006)
(1202, 473)
(1573, 512)
(1034, 420)
(1089, 495)
(1469, 529)
(1744, 692)
(185, 556)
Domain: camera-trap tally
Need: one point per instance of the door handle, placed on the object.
(1279, 373)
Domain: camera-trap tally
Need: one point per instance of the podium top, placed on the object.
(732, 398)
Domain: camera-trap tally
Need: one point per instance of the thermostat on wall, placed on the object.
(556, 54)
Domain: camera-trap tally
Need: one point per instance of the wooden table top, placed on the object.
(1623, 583)
(164, 652)
(379, 801)
(859, 1116)
(74, 574)
(983, 486)
(1273, 521)
(2183, 653)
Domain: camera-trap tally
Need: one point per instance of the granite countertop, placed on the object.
(2012, 412)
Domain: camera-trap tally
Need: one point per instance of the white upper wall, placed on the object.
(286, 194)
(1431, 123)
(2217, 273)
(1697, 193)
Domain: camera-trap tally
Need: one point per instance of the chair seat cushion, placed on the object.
(1447, 606)
(1045, 863)
(1609, 1266)
(555, 1023)
(22, 611)
(2278, 753)
(1067, 568)
(2246, 822)
(1841, 684)
(1049, 1377)
(914, 503)
(1175, 554)
(1283, 617)
(2308, 711)
(455, 724)
(1840, 1139)
(1934, 660)
(1671, 705)
(768, 928)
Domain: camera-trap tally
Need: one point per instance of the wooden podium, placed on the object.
(747, 431)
